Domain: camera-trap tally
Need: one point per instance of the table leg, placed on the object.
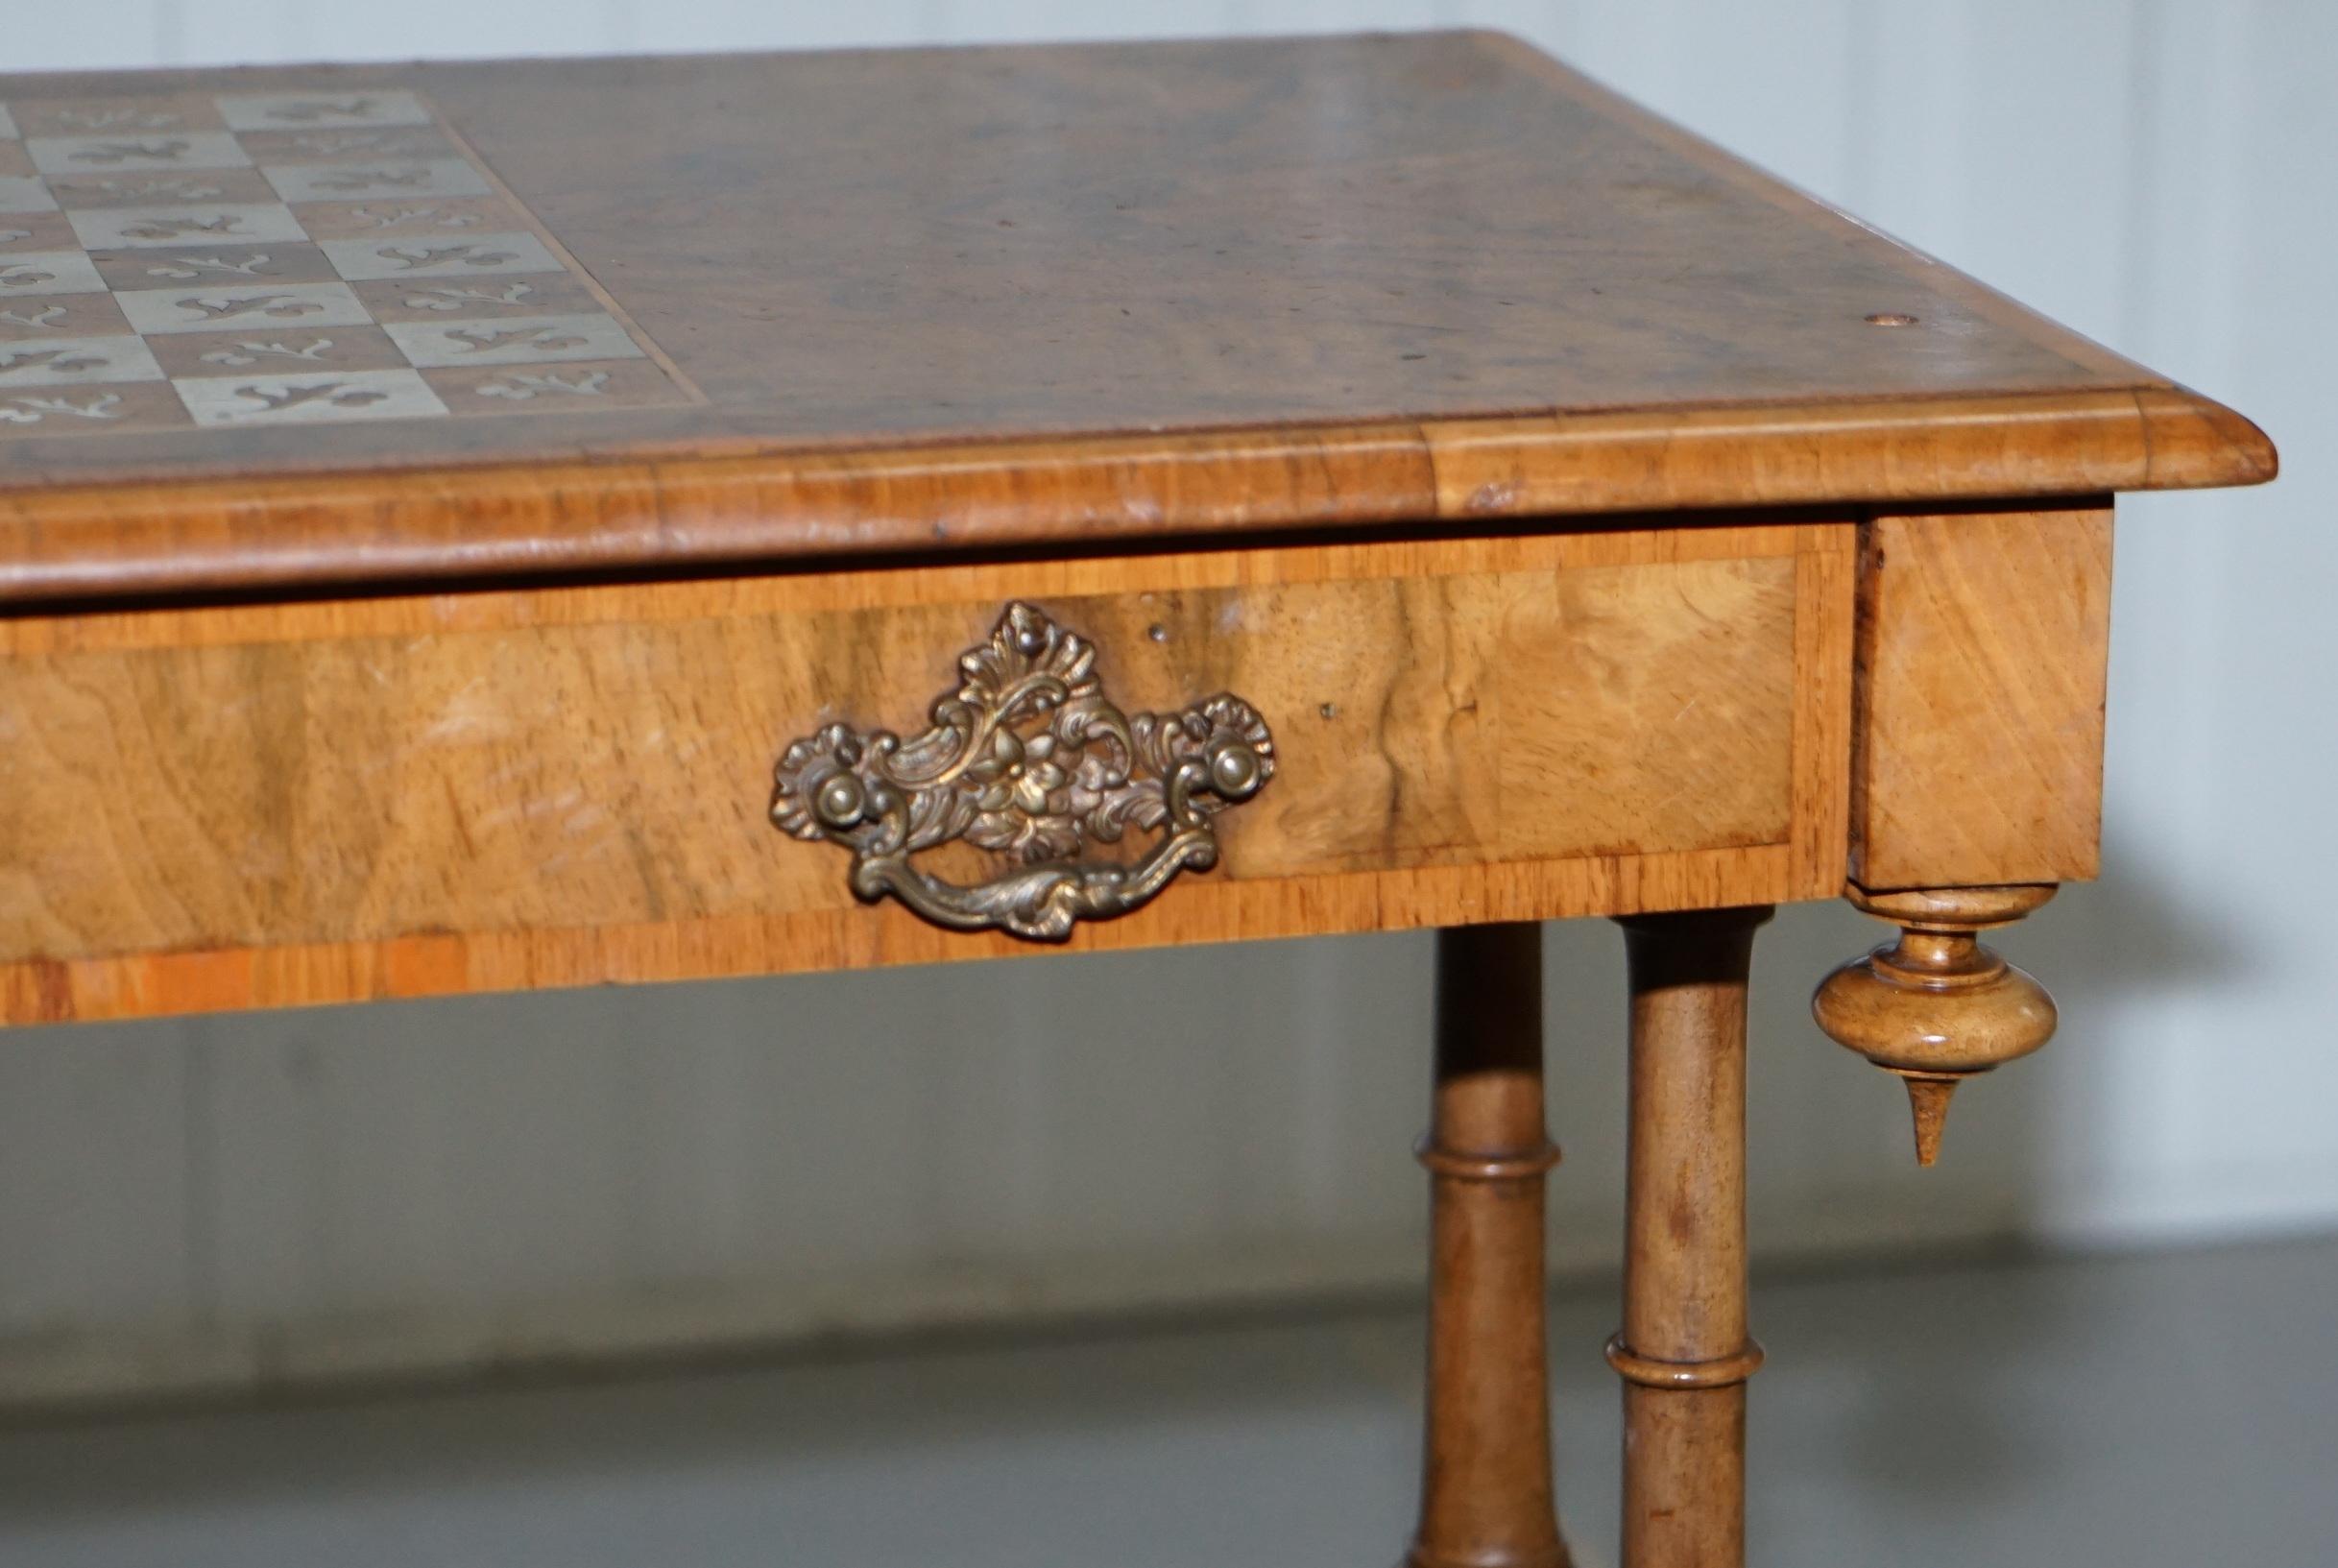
(1684, 1352)
(1485, 1488)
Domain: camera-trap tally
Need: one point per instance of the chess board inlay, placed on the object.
(272, 259)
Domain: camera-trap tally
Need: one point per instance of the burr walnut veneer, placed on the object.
(529, 524)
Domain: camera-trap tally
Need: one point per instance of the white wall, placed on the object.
(436, 1183)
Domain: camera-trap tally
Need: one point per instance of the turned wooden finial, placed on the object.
(1938, 1005)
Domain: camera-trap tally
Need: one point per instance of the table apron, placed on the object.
(255, 805)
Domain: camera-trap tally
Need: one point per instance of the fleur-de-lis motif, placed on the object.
(550, 339)
(33, 410)
(226, 224)
(342, 143)
(68, 361)
(410, 256)
(33, 318)
(118, 119)
(523, 388)
(280, 306)
(405, 215)
(308, 112)
(186, 266)
(452, 297)
(412, 216)
(122, 152)
(374, 178)
(334, 392)
(23, 275)
(177, 190)
(248, 353)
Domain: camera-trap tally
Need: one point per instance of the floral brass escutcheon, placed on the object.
(1028, 758)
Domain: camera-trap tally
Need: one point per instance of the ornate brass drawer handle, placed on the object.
(1030, 758)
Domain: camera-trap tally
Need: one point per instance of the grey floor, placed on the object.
(2177, 1410)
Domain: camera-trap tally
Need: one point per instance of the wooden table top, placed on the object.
(518, 317)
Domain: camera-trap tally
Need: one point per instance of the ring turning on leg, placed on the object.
(1684, 1352)
(1486, 1483)
(1717, 1373)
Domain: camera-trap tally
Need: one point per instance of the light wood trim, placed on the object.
(1825, 609)
(345, 529)
(1207, 910)
(1947, 448)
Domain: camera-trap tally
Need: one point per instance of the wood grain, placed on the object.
(242, 804)
(1485, 1472)
(1129, 292)
(1939, 1005)
(90, 540)
(1984, 640)
(1685, 1350)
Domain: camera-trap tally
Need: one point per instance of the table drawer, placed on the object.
(240, 806)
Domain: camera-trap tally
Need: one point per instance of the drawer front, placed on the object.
(248, 806)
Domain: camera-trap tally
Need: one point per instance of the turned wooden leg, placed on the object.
(1485, 1487)
(1684, 1352)
(1938, 1005)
